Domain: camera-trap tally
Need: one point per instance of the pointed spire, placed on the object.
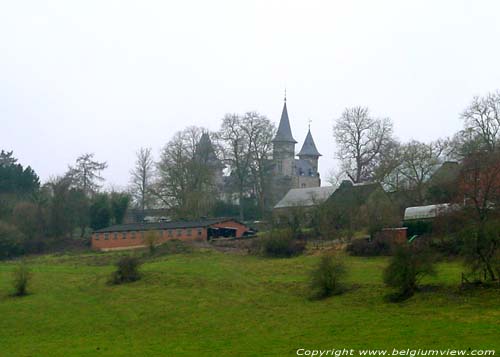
(284, 132)
(309, 147)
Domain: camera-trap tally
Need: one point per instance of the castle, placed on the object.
(289, 172)
(286, 170)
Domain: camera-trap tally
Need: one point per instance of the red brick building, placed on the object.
(133, 235)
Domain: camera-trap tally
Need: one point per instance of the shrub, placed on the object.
(21, 278)
(281, 244)
(173, 246)
(127, 270)
(151, 240)
(326, 277)
(365, 248)
(11, 241)
(406, 269)
(481, 248)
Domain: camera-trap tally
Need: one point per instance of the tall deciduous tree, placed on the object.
(142, 177)
(186, 184)
(261, 152)
(247, 147)
(418, 162)
(86, 174)
(482, 120)
(479, 190)
(361, 140)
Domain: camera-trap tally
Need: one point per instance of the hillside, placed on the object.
(210, 303)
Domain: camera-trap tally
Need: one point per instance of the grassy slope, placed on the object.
(221, 304)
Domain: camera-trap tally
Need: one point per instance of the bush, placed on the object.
(326, 278)
(11, 241)
(281, 244)
(151, 240)
(127, 271)
(481, 249)
(405, 270)
(365, 248)
(20, 279)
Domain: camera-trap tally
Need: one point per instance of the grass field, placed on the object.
(210, 303)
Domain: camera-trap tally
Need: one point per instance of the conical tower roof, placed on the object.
(284, 133)
(205, 151)
(309, 147)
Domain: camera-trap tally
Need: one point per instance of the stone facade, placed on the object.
(290, 172)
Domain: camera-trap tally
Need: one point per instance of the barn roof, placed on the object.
(354, 193)
(305, 197)
(164, 225)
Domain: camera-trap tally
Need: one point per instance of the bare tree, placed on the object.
(482, 119)
(86, 174)
(237, 138)
(185, 183)
(142, 176)
(261, 151)
(247, 141)
(418, 162)
(361, 139)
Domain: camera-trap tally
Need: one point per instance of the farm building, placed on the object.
(358, 205)
(134, 235)
(303, 198)
(426, 212)
(354, 195)
(419, 219)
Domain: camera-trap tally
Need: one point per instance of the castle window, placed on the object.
(303, 185)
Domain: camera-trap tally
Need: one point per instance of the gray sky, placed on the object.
(111, 76)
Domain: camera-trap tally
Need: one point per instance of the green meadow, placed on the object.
(212, 303)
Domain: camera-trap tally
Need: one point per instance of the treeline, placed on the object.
(370, 153)
(201, 173)
(36, 217)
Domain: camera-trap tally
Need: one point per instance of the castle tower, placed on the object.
(205, 155)
(284, 146)
(309, 151)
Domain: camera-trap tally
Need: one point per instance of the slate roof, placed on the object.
(309, 147)
(446, 173)
(305, 197)
(354, 193)
(163, 225)
(284, 132)
(205, 152)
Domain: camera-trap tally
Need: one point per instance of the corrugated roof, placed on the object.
(163, 225)
(304, 197)
(427, 212)
(309, 147)
(284, 132)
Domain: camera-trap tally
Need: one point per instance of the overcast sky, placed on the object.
(111, 76)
